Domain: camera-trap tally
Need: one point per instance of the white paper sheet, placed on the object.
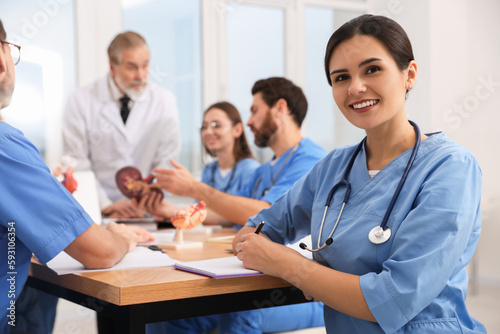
(161, 237)
(140, 257)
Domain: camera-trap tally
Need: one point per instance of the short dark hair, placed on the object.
(273, 89)
(241, 148)
(386, 30)
(3, 34)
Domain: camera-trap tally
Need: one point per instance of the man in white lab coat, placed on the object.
(122, 120)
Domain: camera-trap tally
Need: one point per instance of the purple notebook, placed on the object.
(218, 268)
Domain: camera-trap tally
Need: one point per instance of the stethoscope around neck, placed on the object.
(212, 176)
(259, 180)
(379, 234)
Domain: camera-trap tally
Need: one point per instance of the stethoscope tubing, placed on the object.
(259, 180)
(344, 182)
(383, 225)
(212, 176)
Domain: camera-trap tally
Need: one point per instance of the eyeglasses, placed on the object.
(213, 125)
(15, 51)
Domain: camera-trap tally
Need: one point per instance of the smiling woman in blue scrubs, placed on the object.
(413, 278)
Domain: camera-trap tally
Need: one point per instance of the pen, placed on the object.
(156, 248)
(259, 227)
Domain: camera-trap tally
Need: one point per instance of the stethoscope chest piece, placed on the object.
(378, 235)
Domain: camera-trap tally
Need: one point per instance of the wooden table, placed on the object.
(136, 297)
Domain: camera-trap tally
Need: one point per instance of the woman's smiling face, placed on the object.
(217, 131)
(367, 84)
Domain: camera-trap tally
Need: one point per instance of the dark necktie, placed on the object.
(124, 110)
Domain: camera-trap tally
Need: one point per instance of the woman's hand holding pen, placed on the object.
(257, 252)
(253, 251)
(177, 181)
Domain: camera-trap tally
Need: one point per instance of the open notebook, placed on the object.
(218, 268)
(230, 266)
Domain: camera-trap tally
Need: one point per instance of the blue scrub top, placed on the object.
(417, 281)
(238, 176)
(37, 215)
(291, 167)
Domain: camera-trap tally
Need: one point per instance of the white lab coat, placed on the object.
(94, 134)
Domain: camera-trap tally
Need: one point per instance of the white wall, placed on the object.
(479, 127)
(457, 48)
(97, 23)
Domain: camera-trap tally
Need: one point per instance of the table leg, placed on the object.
(132, 323)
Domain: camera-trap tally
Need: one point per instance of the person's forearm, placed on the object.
(98, 248)
(336, 289)
(111, 252)
(236, 209)
(214, 218)
(340, 291)
(117, 250)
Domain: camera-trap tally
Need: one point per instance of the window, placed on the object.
(172, 30)
(45, 30)
(325, 124)
(255, 50)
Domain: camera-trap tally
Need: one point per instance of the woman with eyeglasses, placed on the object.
(224, 139)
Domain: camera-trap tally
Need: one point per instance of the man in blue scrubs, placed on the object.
(37, 214)
(277, 112)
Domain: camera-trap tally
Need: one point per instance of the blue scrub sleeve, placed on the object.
(300, 164)
(432, 239)
(46, 215)
(294, 171)
(288, 218)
